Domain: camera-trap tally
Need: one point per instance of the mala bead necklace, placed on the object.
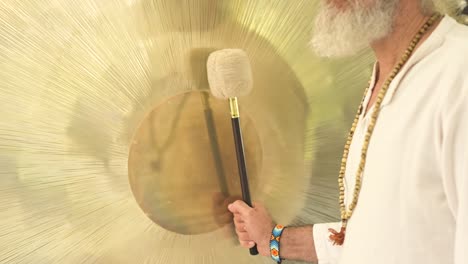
(338, 237)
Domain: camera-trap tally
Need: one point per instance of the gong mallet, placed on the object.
(230, 76)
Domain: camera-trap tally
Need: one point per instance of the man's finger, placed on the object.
(258, 205)
(240, 228)
(238, 218)
(239, 222)
(232, 199)
(247, 244)
(244, 236)
(239, 207)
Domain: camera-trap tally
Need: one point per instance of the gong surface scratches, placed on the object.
(112, 151)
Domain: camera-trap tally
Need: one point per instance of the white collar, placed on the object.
(432, 43)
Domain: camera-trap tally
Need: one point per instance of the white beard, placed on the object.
(340, 33)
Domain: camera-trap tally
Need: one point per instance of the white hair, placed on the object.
(340, 33)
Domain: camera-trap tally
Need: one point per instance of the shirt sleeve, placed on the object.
(455, 169)
(327, 253)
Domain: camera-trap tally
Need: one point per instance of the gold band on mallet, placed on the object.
(234, 107)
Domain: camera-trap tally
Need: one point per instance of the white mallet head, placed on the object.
(229, 73)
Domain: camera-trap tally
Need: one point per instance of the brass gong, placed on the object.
(107, 154)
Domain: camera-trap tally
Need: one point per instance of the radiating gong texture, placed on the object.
(108, 153)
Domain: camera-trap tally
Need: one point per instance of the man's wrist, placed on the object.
(264, 245)
(297, 243)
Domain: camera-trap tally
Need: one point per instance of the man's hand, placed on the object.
(253, 226)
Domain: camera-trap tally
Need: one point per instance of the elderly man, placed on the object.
(404, 174)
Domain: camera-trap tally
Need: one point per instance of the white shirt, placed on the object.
(413, 205)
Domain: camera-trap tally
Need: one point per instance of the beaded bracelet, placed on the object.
(275, 242)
